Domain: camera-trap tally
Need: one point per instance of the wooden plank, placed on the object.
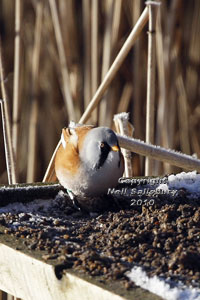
(27, 192)
(29, 278)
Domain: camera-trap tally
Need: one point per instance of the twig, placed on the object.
(16, 84)
(166, 155)
(63, 63)
(10, 161)
(152, 6)
(116, 65)
(50, 169)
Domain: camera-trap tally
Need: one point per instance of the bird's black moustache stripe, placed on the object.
(103, 155)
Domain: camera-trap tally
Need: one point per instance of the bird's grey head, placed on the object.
(97, 146)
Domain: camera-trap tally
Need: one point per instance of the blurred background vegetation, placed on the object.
(92, 33)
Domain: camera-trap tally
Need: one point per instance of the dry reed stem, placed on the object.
(194, 139)
(50, 169)
(113, 92)
(137, 76)
(150, 107)
(87, 51)
(94, 46)
(94, 53)
(125, 98)
(108, 78)
(106, 60)
(6, 143)
(31, 164)
(194, 132)
(170, 30)
(63, 63)
(183, 115)
(155, 152)
(192, 74)
(137, 82)
(10, 158)
(116, 22)
(32, 137)
(180, 26)
(170, 64)
(116, 65)
(161, 126)
(16, 83)
(107, 38)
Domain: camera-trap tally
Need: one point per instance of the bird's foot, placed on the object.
(73, 199)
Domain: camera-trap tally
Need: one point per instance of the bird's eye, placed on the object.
(102, 145)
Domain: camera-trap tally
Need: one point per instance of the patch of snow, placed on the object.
(163, 186)
(122, 115)
(190, 181)
(162, 287)
(33, 206)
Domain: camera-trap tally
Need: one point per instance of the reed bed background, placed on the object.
(56, 54)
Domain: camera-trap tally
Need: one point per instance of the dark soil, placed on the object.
(162, 236)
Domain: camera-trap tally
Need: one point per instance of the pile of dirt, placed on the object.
(163, 238)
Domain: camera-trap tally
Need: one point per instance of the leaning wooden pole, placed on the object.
(116, 65)
(170, 156)
(109, 76)
(150, 108)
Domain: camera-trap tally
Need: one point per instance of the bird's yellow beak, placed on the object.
(115, 148)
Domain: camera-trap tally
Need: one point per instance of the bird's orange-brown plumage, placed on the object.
(68, 158)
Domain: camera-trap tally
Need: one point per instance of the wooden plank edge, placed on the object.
(28, 278)
(28, 192)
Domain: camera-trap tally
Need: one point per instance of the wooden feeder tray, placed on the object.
(50, 251)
